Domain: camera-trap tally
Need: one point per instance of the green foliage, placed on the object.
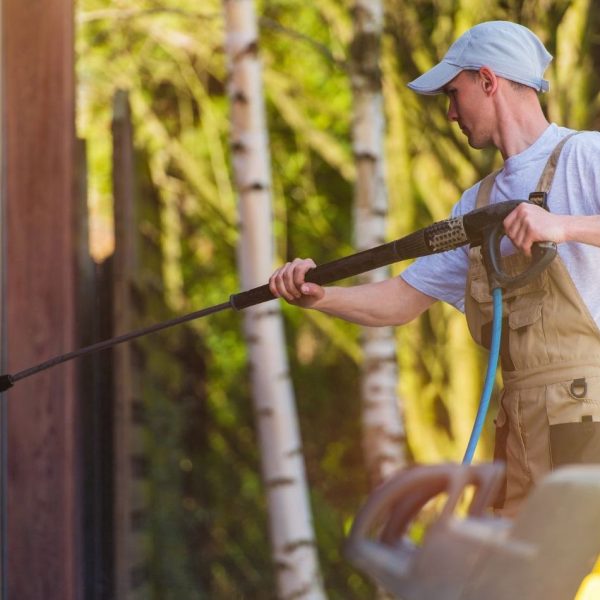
(208, 526)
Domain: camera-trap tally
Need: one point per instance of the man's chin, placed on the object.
(474, 142)
(470, 139)
(478, 144)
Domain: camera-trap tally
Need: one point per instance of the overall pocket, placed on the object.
(522, 332)
(573, 409)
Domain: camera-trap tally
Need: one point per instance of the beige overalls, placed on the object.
(549, 412)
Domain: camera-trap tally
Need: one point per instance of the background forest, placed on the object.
(208, 535)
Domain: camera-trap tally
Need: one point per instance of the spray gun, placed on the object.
(482, 226)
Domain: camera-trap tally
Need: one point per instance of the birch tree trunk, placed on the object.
(291, 528)
(383, 430)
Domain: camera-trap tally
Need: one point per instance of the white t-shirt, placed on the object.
(575, 191)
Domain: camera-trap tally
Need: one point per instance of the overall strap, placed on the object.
(485, 189)
(545, 182)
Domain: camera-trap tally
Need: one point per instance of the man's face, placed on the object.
(470, 107)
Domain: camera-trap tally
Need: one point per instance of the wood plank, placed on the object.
(3, 358)
(44, 532)
(130, 570)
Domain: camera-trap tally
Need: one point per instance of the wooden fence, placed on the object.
(92, 446)
(134, 433)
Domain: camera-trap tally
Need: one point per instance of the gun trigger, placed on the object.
(539, 198)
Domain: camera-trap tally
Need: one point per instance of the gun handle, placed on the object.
(542, 254)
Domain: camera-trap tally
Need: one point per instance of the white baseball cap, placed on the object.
(510, 50)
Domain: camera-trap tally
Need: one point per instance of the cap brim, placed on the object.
(435, 79)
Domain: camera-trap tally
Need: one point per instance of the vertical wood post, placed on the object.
(123, 267)
(44, 533)
(122, 272)
(3, 358)
(130, 564)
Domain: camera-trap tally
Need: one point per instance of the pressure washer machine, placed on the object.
(468, 553)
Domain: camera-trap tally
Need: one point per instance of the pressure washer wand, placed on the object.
(438, 237)
(408, 247)
(7, 381)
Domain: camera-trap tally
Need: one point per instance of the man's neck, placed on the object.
(519, 126)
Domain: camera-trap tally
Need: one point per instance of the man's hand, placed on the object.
(529, 223)
(288, 282)
(388, 302)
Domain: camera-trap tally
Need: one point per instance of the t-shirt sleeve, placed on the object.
(444, 275)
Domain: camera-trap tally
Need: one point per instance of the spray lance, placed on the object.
(480, 227)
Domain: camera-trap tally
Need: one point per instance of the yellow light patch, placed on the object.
(590, 586)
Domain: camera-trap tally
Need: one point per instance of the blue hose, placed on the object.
(490, 376)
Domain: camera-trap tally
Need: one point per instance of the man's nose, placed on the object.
(452, 114)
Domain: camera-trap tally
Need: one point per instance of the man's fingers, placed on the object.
(310, 289)
(294, 277)
(517, 226)
(301, 268)
(287, 281)
(277, 283)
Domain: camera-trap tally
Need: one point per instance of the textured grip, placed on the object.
(447, 235)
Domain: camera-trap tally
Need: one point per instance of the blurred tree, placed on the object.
(292, 535)
(383, 430)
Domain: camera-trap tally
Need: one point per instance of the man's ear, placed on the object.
(489, 80)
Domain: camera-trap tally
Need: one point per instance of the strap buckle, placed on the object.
(539, 199)
(579, 388)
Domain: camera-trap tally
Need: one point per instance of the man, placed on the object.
(550, 406)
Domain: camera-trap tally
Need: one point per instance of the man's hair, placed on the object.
(519, 87)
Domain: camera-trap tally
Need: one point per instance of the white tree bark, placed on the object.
(383, 430)
(291, 527)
